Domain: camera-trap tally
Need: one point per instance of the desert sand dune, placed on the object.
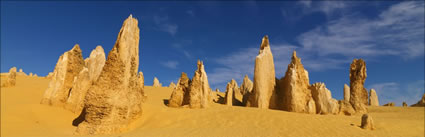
(23, 115)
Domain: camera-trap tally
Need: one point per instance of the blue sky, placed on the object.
(327, 35)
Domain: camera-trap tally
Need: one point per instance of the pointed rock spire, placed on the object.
(264, 77)
(68, 66)
(115, 99)
(199, 88)
(295, 92)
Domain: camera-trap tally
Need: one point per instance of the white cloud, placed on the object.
(326, 7)
(395, 32)
(165, 25)
(170, 64)
(395, 92)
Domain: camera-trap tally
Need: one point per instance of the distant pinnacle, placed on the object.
(294, 54)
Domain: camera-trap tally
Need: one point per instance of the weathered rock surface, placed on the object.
(346, 92)
(358, 94)
(373, 98)
(30, 74)
(421, 103)
(367, 122)
(325, 104)
(246, 89)
(68, 66)
(232, 90)
(115, 99)
(95, 62)
(199, 89)
(180, 95)
(295, 91)
(84, 80)
(11, 78)
(156, 82)
(172, 85)
(404, 104)
(346, 108)
(390, 104)
(264, 77)
(81, 84)
(35, 75)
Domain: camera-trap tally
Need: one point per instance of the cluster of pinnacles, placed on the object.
(294, 93)
(108, 94)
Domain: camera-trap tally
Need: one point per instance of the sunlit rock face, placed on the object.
(180, 95)
(373, 98)
(156, 82)
(11, 78)
(295, 93)
(68, 66)
(325, 104)
(358, 94)
(199, 89)
(246, 89)
(83, 81)
(264, 77)
(233, 94)
(115, 99)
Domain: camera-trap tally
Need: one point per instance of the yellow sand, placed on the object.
(22, 115)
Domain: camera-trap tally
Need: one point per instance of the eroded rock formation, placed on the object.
(367, 122)
(172, 85)
(390, 104)
(295, 91)
(199, 93)
(404, 104)
(21, 72)
(325, 104)
(358, 94)
(246, 89)
(346, 92)
(264, 77)
(84, 80)
(68, 66)
(156, 82)
(373, 98)
(115, 99)
(233, 94)
(11, 78)
(180, 95)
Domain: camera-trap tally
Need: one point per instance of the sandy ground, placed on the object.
(22, 115)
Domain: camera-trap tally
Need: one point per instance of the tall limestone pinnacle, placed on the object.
(358, 94)
(199, 93)
(115, 99)
(264, 77)
(295, 93)
(68, 66)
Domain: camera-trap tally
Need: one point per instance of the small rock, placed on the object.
(367, 122)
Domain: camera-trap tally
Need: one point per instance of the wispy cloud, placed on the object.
(397, 31)
(326, 7)
(395, 92)
(165, 25)
(170, 64)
